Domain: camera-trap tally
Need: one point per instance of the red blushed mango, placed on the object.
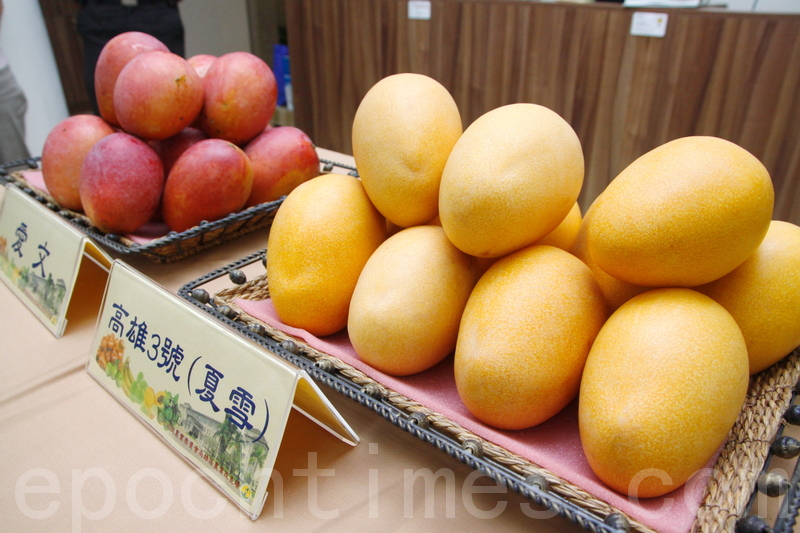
(121, 182)
(209, 181)
(171, 148)
(201, 62)
(282, 158)
(63, 153)
(157, 95)
(113, 58)
(241, 95)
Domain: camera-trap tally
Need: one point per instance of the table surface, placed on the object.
(100, 469)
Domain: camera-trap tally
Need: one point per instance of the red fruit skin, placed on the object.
(283, 157)
(113, 57)
(171, 148)
(241, 95)
(121, 183)
(201, 62)
(63, 153)
(157, 95)
(211, 180)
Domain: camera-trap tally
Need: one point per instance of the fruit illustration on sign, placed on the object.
(111, 350)
(62, 156)
(121, 183)
(282, 157)
(210, 180)
(113, 57)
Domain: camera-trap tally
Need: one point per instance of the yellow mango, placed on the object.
(408, 301)
(763, 295)
(403, 131)
(524, 337)
(616, 291)
(511, 178)
(566, 232)
(684, 214)
(322, 236)
(664, 382)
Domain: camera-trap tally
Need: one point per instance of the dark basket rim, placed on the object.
(171, 247)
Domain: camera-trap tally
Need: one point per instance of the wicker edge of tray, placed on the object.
(731, 483)
(169, 248)
(174, 246)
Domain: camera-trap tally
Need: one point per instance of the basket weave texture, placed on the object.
(734, 476)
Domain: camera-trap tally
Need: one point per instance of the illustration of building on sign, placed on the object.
(239, 453)
(45, 292)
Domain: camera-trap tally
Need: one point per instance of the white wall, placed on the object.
(214, 27)
(23, 38)
(765, 6)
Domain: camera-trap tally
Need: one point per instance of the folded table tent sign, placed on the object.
(219, 400)
(43, 259)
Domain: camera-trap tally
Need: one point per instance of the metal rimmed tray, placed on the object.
(770, 406)
(170, 247)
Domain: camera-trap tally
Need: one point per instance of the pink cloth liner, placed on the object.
(554, 445)
(145, 234)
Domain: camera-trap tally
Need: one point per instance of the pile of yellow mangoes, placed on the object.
(655, 307)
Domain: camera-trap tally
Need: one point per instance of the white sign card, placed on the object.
(649, 24)
(41, 256)
(665, 3)
(219, 400)
(419, 10)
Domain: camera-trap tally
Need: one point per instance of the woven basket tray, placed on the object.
(729, 493)
(173, 246)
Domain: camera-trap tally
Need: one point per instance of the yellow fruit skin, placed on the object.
(321, 237)
(524, 337)
(665, 380)
(563, 236)
(403, 131)
(763, 295)
(683, 214)
(615, 291)
(510, 179)
(566, 232)
(408, 301)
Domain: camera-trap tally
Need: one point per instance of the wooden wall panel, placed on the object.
(266, 20)
(733, 75)
(59, 17)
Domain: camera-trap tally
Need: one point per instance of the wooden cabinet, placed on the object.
(732, 75)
